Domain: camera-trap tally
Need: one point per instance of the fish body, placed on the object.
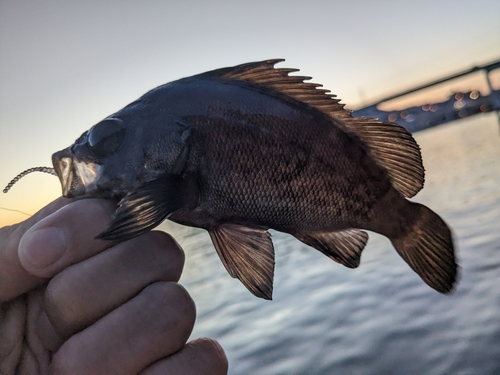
(239, 150)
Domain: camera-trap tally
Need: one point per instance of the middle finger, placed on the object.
(86, 291)
(154, 324)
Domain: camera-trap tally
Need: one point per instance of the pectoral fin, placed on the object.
(147, 206)
(248, 255)
(343, 247)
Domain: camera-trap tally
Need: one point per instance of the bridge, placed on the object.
(461, 105)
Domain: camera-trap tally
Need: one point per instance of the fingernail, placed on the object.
(42, 247)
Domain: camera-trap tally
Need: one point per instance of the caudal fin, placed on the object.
(428, 249)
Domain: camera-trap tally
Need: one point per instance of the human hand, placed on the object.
(72, 304)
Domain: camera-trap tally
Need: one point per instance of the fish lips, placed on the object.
(72, 184)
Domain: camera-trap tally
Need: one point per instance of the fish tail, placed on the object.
(428, 249)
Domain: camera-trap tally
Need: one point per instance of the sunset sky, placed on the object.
(66, 65)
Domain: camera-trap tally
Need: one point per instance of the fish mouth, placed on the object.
(78, 179)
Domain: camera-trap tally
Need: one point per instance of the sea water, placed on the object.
(379, 318)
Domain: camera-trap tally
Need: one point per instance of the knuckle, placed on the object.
(67, 360)
(171, 301)
(60, 306)
(212, 353)
(166, 253)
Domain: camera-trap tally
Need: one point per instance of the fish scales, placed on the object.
(278, 157)
(240, 150)
(284, 183)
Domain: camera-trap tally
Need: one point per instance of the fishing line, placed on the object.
(28, 171)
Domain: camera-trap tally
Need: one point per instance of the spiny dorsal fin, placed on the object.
(264, 73)
(389, 144)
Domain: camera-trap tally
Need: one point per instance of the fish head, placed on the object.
(84, 167)
(117, 156)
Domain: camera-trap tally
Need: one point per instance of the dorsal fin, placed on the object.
(390, 145)
(394, 148)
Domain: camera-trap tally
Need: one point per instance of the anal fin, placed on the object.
(343, 247)
(248, 255)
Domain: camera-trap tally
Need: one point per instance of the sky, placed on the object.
(66, 65)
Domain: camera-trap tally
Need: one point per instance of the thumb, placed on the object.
(66, 237)
(14, 279)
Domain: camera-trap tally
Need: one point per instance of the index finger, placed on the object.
(14, 280)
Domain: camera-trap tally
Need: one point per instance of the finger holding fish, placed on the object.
(162, 317)
(14, 278)
(110, 279)
(92, 300)
(61, 239)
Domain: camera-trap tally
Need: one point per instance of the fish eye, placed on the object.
(106, 137)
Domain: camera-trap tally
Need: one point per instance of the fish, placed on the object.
(241, 150)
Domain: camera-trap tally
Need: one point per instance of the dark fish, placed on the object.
(240, 150)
